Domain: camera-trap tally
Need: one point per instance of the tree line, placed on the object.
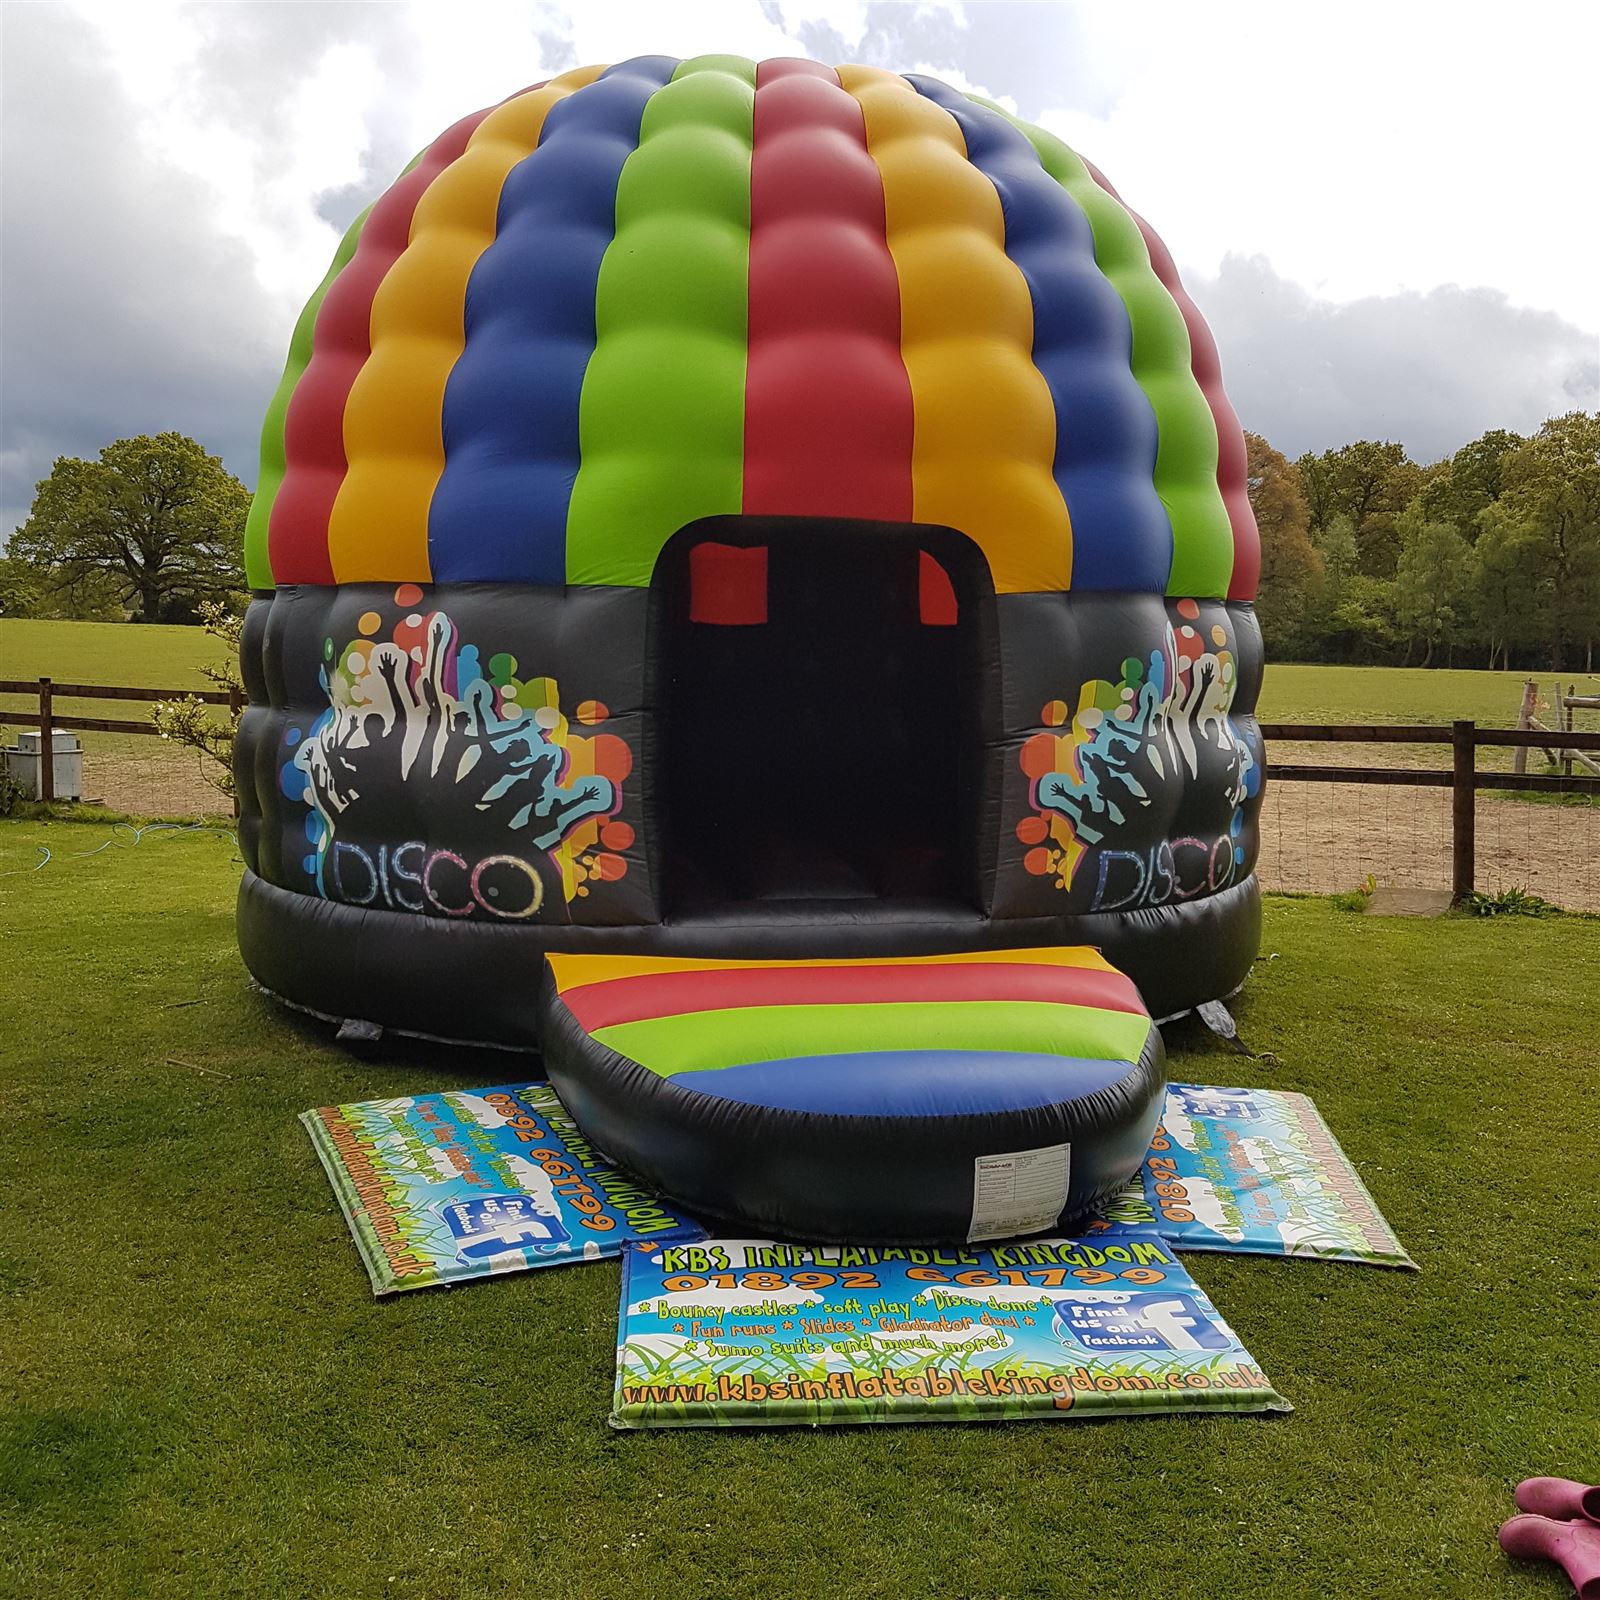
(1488, 558)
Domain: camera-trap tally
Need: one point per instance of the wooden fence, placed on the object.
(1462, 777)
(1565, 705)
(47, 719)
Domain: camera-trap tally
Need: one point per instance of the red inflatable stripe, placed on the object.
(673, 994)
(1232, 468)
(828, 413)
(297, 534)
(936, 595)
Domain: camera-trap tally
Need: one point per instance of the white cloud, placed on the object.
(1430, 369)
(177, 176)
(1366, 149)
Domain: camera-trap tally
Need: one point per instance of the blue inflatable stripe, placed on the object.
(909, 1083)
(1106, 433)
(511, 404)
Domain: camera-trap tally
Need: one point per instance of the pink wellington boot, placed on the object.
(1562, 1498)
(1574, 1546)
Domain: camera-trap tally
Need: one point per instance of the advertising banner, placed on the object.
(442, 1188)
(1255, 1171)
(748, 1331)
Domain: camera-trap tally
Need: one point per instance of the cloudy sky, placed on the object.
(1384, 207)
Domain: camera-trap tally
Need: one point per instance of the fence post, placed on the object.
(1530, 701)
(235, 710)
(47, 741)
(1463, 807)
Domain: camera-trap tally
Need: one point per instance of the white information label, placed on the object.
(1019, 1192)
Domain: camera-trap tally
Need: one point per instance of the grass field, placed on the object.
(117, 654)
(105, 652)
(1296, 693)
(200, 1397)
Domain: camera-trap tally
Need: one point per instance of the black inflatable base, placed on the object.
(480, 983)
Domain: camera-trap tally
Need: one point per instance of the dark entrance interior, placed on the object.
(820, 689)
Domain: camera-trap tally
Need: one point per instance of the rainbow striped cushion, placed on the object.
(855, 1100)
(912, 1036)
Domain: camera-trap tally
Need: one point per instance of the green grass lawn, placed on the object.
(116, 653)
(1296, 693)
(200, 1397)
(106, 652)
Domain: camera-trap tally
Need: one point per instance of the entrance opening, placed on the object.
(820, 696)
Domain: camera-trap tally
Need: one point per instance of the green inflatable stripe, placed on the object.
(700, 1041)
(661, 414)
(257, 562)
(1186, 459)
(735, 66)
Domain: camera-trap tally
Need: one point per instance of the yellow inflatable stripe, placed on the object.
(574, 970)
(983, 449)
(393, 427)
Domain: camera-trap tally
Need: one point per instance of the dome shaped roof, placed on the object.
(641, 295)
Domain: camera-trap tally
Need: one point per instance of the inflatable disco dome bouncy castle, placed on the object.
(772, 539)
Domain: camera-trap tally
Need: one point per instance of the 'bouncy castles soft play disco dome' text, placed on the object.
(724, 510)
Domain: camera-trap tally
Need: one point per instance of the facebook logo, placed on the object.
(491, 1224)
(1235, 1104)
(1139, 1322)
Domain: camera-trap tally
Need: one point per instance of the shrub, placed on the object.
(1509, 902)
(192, 723)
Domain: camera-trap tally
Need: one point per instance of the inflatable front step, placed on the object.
(926, 1099)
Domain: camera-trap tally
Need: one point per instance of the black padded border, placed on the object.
(480, 983)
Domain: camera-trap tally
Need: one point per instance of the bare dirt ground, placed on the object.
(1327, 837)
(154, 781)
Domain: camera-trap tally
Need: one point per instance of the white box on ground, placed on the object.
(22, 761)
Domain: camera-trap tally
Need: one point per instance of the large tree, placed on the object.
(1469, 482)
(1351, 615)
(1550, 492)
(1371, 483)
(1432, 581)
(31, 591)
(158, 516)
(1503, 585)
(1291, 569)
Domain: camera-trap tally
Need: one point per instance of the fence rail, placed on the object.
(47, 719)
(1410, 733)
(102, 691)
(1473, 736)
(1462, 779)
